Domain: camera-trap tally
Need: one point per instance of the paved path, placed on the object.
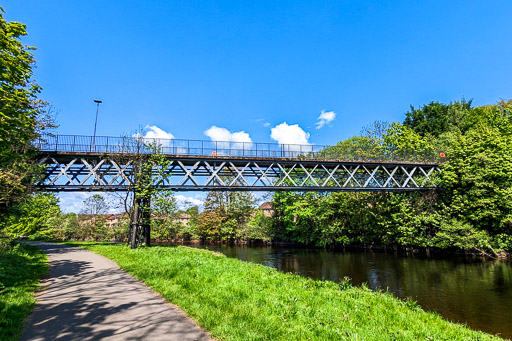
(87, 297)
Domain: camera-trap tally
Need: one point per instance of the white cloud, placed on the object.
(159, 136)
(232, 140)
(74, 202)
(218, 134)
(325, 117)
(153, 132)
(240, 136)
(184, 202)
(289, 134)
(224, 135)
(262, 122)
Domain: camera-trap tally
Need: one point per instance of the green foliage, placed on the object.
(477, 181)
(67, 227)
(189, 231)
(236, 300)
(437, 118)
(209, 224)
(455, 233)
(403, 141)
(164, 223)
(37, 215)
(345, 283)
(20, 113)
(22, 118)
(164, 203)
(356, 148)
(20, 270)
(225, 215)
(259, 227)
(472, 211)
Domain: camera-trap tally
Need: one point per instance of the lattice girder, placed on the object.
(108, 173)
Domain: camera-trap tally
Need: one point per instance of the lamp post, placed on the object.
(98, 102)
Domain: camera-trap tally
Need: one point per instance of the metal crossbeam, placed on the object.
(97, 172)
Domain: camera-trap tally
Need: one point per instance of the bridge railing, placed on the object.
(108, 144)
(140, 145)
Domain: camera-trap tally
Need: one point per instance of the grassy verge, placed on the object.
(236, 300)
(20, 270)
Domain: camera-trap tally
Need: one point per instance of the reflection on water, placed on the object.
(470, 291)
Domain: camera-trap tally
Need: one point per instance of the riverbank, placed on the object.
(20, 270)
(397, 249)
(237, 300)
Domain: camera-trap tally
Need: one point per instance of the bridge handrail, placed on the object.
(141, 145)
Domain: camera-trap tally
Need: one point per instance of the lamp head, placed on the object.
(98, 101)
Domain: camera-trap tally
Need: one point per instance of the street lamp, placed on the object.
(98, 102)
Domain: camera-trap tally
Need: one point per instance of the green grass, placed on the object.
(236, 300)
(20, 270)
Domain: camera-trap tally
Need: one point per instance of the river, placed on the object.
(474, 291)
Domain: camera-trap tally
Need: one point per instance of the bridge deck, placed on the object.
(238, 159)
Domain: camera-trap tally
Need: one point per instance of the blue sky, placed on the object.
(185, 66)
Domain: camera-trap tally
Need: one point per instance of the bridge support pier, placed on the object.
(140, 220)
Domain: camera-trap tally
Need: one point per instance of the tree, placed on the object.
(209, 224)
(403, 143)
(437, 118)
(189, 231)
(356, 148)
(68, 227)
(164, 203)
(193, 211)
(95, 205)
(148, 166)
(36, 215)
(259, 227)
(375, 130)
(225, 213)
(95, 225)
(477, 179)
(21, 114)
(164, 223)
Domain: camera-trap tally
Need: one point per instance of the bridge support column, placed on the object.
(140, 220)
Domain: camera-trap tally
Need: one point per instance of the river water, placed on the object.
(468, 290)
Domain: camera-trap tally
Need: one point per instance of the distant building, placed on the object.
(184, 218)
(114, 219)
(267, 209)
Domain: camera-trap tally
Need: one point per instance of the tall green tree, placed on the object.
(35, 215)
(225, 213)
(477, 179)
(20, 112)
(164, 222)
(437, 118)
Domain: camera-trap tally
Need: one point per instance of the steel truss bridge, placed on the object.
(85, 163)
